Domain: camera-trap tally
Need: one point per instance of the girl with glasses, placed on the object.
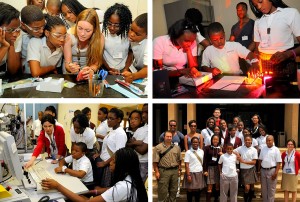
(116, 24)
(44, 55)
(10, 56)
(290, 168)
(52, 137)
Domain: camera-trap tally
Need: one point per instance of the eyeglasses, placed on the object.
(58, 36)
(194, 126)
(111, 119)
(172, 125)
(36, 29)
(11, 30)
(116, 25)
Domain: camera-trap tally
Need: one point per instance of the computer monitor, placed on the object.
(9, 154)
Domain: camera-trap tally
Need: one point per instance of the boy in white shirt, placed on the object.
(228, 174)
(81, 165)
(138, 41)
(223, 57)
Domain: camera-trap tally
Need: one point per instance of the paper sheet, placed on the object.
(229, 83)
(123, 91)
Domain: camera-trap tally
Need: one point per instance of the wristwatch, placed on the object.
(64, 168)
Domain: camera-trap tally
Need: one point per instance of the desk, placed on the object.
(255, 90)
(78, 91)
(72, 183)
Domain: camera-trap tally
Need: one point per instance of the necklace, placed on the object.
(78, 54)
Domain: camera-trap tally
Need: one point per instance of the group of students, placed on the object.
(264, 45)
(66, 37)
(110, 163)
(222, 157)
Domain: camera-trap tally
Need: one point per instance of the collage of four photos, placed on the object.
(220, 79)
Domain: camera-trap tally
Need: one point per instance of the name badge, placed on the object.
(214, 158)
(117, 55)
(288, 170)
(244, 38)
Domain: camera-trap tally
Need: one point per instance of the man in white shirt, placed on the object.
(269, 163)
(36, 126)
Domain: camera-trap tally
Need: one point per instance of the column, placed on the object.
(291, 116)
(191, 114)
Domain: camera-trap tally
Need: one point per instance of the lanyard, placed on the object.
(287, 159)
(270, 19)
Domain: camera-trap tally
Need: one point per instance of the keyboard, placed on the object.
(38, 173)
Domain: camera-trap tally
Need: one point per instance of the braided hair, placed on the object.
(127, 163)
(53, 21)
(125, 17)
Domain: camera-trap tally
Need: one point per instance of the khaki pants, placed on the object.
(268, 186)
(227, 183)
(167, 185)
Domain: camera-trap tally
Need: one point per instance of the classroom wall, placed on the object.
(137, 7)
(224, 12)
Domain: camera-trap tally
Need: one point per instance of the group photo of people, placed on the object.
(221, 152)
(244, 44)
(54, 37)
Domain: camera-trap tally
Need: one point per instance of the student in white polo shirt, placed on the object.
(223, 57)
(10, 57)
(81, 132)
(269, 164)
(247, 156)
(44, 55)
(228, 174)
(137, 36)
(274, 34)
(81, 165)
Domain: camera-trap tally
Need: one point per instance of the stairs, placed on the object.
(279, 195)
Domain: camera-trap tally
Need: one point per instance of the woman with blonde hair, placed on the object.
(83, 50)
